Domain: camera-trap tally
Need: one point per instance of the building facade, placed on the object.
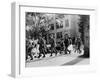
(64, 24)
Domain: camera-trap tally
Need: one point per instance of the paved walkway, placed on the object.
(60, 60)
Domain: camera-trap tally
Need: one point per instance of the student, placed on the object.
(28, 51)
(52, 42)
(41, 47)
(78, 43)
(35, 50)
(73, 40)
(70, 46)
(66, 44)
(62, 44)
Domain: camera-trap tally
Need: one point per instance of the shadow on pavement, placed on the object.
(73, 61)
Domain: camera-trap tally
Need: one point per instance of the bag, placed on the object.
(70, 47)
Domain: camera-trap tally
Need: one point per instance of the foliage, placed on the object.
(83, 29)
(84, 23)
(37, 24)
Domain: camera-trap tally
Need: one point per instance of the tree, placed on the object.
(37, 23)
(83, 29)
(84, 23)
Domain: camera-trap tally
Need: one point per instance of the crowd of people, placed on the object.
(38, 47)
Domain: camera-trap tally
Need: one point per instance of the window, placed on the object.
(67, 23)
(59, 20)
(66, 20)
(51, 26)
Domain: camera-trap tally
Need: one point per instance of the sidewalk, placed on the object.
(60, 60)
